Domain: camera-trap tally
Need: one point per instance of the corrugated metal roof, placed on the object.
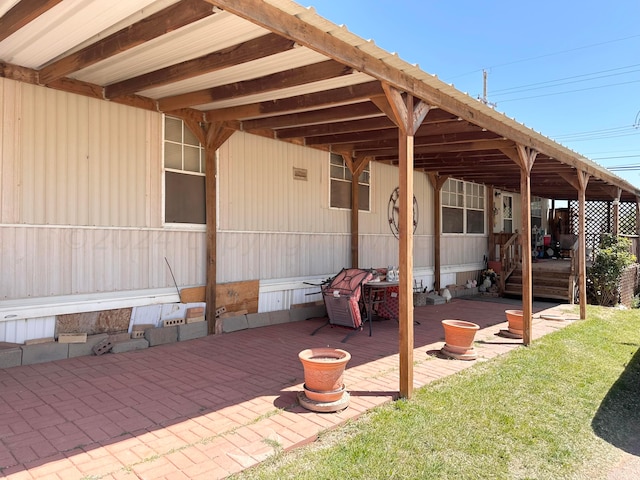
(72, 25)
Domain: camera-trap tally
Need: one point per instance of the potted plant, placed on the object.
(516, 323)
(324, 388)
(458, 337)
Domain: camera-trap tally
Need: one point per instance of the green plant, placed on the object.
(603, 277)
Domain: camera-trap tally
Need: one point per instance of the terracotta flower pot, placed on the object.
(514, 317)
(458, 337)
(323, 373)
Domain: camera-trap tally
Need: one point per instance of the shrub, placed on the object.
(603, 277)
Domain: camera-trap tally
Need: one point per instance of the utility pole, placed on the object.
(484, 98)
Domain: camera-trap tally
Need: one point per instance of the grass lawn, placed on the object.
(559, 409)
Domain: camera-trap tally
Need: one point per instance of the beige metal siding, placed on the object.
(49, 261)
(83, 161)
(9, 150)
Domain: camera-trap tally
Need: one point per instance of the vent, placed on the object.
(300, 174)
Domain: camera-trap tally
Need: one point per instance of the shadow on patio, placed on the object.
(213, 406)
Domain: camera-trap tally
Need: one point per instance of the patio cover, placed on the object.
(277, 69)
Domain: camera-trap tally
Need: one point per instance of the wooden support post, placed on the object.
(583, 180)
(355, 213)
(437, 182)
(215, 135)
(527, 158)
(615, 221)
(356, 167)
(408, 118)
(489, 221)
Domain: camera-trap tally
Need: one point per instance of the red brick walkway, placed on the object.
(207, 408)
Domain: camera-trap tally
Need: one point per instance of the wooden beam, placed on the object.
(254, 49)
(332, 114)
(437, 181)
(583, 181)
(526, 158)
(22, 13)
(615, 224)
(408, 117)
(160, 23)
(269, 83)
(215, 136)
(325, 98)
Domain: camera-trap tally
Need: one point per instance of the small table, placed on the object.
(378, 293)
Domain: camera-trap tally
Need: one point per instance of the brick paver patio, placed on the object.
(207, 408)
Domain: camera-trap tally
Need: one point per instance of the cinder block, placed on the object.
(161, 336)
(255, 320)
(235, 323)
(279, 316)
(10, 355)
(129, 345)
(36, 341)
(435, 299)
(119, 337)
(191, 331)
(44, 352)
(304, 313)
(72, 338)
(195, 312)
(195, 319)
(170, 322)
(103, 346)
(80, 349)
(142, 327)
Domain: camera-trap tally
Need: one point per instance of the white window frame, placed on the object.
(465, 196)
(182, 143)
(345, 176)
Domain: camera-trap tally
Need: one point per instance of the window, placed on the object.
(536, 212)
(507, 213)
(184, 179)
(340, 184)
(462, 207)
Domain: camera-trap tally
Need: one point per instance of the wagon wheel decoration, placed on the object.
(394, 212)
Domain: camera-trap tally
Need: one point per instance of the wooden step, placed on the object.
(543, 292)
(542, 280)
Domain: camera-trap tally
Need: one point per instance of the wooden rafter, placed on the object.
(22, 13)
(160, 23)
(227, 57)
(325, 98)
(288, 78)
(343, 112)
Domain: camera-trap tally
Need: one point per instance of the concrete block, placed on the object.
(44, 352)
(435, 299)
(72, 338)
(102, 347)
(191, 331)
(170, 322)
(36, 341)
(119, 337)
(129, 345)
(304, 313)
(255, 320)
(195, 319)
(195, 312)
(81, 349)
(235, 323)
(279, 316)
(161, 336)
(10, 355)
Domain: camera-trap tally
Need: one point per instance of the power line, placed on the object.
(547, 55)
(565, 81)
(569, 91)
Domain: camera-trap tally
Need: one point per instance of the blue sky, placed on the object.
(566, 68)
